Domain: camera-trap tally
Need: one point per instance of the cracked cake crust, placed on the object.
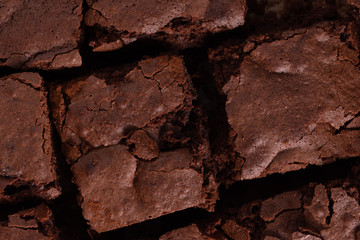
(287, 107)
(183, 121)
(180, 22)
(27, 152)
(125, 141)
(33, 38)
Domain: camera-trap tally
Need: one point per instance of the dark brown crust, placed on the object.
(158, 119)
(147, 110)
(27, 152)
(183, 23)
(33, 38)
(286, 106)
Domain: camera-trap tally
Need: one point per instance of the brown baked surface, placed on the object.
(173, 120)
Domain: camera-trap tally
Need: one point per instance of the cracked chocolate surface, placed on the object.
(33, 38)
(117, 186)
(31, 223)
(319, 207)
(25, 133)
(138, 19)
(271, 208)
(127, 191)
(345, 219)
(327, 209)
(293, 225)
(101, 114)
(290, 101)
(235, 231)
(212, 120)
(144, 146)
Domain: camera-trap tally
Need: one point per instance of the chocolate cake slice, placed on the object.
(181, 22)
(30, 223)
(322, 205)
(291, 100)
(40, 34)
(202, 119)
(27, 161)
(125, 139)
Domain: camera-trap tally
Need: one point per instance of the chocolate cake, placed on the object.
(40, 34)
(327, 210)
(181, 22)
(124, 139)
(27, 161)
(31, 223)
(211, 120)
(286, 107)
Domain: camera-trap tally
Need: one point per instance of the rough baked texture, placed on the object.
(180, 21)
(346, 216)
(118, 190)
(31, 37)
(318, 209)
(325, 210)
(270, 208)
(144, 146)
(180, 120)
(91, 113)
(341, 224)
(20, 234)
(235, 231)
(25, 136)
(190, 232)
(292, 99)
(31, 223)
(124, 138)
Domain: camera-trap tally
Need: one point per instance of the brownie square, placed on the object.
(40, 34)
